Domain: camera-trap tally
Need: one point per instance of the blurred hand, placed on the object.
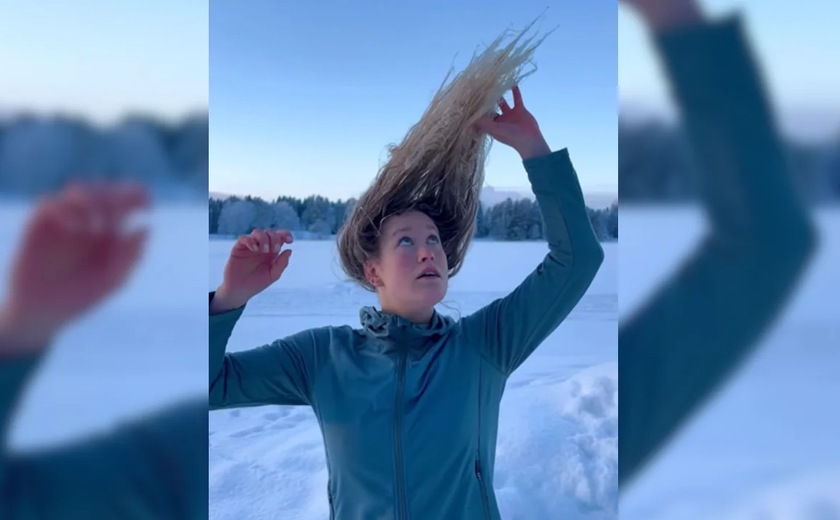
(256, 261)
(515, 127)
(665, 14)
(74, 253)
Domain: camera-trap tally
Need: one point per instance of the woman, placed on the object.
(408, 403)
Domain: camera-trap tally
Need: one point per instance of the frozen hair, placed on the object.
(438, 168)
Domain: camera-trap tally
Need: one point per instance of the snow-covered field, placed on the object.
(557, 449)
(768, 446)
(765, 449)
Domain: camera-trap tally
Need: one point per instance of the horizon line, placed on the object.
(522, 190)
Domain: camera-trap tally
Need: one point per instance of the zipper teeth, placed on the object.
(478, 420)
(484, 498)
(402, 513)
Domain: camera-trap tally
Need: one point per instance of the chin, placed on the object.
(433, 296)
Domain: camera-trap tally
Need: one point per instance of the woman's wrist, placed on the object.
(19, 335)
(534, 148)
(223, 302)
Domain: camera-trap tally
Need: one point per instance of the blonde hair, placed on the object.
(438, 168)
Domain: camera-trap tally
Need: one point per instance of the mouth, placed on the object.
(429, 273)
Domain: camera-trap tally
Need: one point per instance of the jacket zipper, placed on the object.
(484, 498)
(401, 510)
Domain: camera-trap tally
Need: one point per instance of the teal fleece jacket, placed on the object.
(409, 413)
(703, 322)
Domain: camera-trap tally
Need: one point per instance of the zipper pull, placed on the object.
(477, 469)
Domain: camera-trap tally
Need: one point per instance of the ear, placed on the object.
(372, 274)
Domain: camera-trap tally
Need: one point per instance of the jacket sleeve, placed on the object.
(680, 346)
(279, 373)
(152, 467)
(509, 329)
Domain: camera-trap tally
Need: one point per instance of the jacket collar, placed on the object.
(402, 332)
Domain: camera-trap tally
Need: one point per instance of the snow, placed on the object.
(557, 447)
(765, 448)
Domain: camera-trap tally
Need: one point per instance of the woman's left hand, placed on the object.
(515, 127)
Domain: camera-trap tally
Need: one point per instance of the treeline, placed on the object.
(318, 217)
(655, 165)
(40, 154)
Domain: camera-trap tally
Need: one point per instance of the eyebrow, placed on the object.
(409, 228)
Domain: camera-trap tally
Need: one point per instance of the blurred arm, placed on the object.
(509, 329)
(278, 373)
(152, 468)
(691, 334)
(15, 371)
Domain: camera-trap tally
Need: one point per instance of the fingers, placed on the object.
(271, 240)
(486, 123)
(264, 241)
(517, 97)
(246, 243)
(503, 105)
(280, 263)
(97, 208)
(89, 209)
(79, 211)
(285, 237)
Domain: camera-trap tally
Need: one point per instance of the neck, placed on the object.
(419, 317)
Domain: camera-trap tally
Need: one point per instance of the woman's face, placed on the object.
(411, 273)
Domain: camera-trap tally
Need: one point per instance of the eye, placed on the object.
(434, 239)
(405, 241)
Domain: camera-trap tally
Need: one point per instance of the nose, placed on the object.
(426, 255)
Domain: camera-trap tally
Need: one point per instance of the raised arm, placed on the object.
(509, 329)
(15, 371)
(279, 373)
(693, 332)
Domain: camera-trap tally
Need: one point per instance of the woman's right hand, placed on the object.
(77, 250)
(256, 261)
(662, 15)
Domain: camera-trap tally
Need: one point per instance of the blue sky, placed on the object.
(101, 58)
(305, 96)
(796, 42)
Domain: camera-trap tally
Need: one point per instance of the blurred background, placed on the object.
(796, 48)
(99, 90)
(765, 447)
